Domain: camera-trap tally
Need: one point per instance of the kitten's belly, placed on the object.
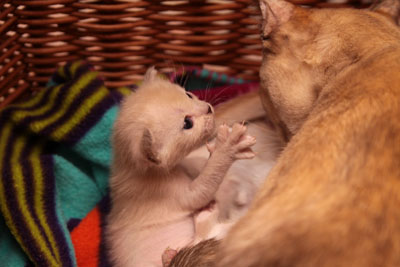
(151, 243)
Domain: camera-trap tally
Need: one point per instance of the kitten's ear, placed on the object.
(274, 13)
(391, 8)
(147, 147)
(151, 74)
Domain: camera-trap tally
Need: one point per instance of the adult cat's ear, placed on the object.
(147, 147)
(274, 13)
(150, 75)
(391, 8)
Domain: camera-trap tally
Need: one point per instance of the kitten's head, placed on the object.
(305, 48)
(159, 124)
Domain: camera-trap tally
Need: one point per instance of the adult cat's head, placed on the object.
(304, 49)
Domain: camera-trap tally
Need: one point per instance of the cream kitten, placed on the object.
(153, 198)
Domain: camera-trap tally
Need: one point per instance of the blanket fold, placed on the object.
(38, 139)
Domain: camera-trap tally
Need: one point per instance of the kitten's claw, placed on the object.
(210, 147)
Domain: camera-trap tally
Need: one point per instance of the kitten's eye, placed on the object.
(188, 123)
(189, 95)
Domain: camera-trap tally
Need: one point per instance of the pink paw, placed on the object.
(167, 256)
(234, 142)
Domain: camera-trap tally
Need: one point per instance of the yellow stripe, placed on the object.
(87, 105)
(61, 71)
(32, 101)
(19, 115)
(38, 197)
(74, 67)
(4, 208)
(124, 91)
(20, 192)
(73, 92)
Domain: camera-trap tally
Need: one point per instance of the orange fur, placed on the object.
(332, 79)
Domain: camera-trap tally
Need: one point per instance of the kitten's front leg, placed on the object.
(229, 146)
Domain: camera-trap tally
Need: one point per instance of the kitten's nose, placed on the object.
(209, 109)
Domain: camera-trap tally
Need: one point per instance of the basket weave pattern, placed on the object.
(123, 38)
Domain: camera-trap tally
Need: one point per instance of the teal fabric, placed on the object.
(82, 170)
(11, 254)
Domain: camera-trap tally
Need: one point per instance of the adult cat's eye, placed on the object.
(187, 123)
(189, 95)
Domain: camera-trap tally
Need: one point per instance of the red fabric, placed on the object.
(86, 239)
(218, 95)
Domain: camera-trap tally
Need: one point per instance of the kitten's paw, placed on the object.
(235, 141)
(167, 256)
(244, 148)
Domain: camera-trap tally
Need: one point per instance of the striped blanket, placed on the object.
(54, 165)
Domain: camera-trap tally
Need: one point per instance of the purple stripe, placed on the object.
(116, 95)
(27, 171)
(104, 208)
(60, 79)
(72, 223)
(55, 106)
(67, 70)
(64, 90)
(42, 101)
(47, 165)
(57, 78)
(5, 117)
(12, 203)
(95, 114)
(45, 98)
(80, 70)
(76, 105)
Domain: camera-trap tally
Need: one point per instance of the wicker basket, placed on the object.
(123, 38)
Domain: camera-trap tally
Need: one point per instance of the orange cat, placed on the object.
(331, 81)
